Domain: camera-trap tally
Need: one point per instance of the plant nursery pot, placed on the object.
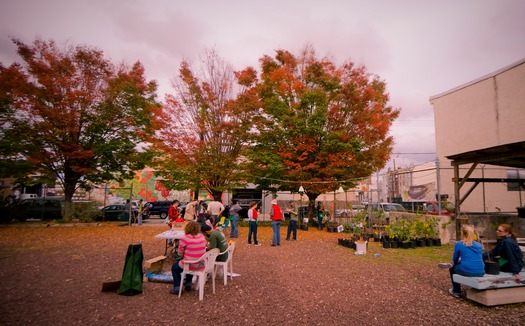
(436, 242)
(394, 244)
(491, 267)
(386, 244)
(413, 244)
(421, 243)
(405, 244)
(330, 229)
(340, 241)
(430, 242)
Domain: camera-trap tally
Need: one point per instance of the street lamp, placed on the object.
(301, 192)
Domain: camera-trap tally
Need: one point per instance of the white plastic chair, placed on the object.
(208, 259)
(228, 264)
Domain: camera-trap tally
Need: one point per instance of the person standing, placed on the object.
(191, 247)
(292, 224)
(140, 211)
(507, 251)
(320, 215)
(215, 208)
(467, 259)
(252, 223)
(276, 216)
(234, 213)
(191, 210)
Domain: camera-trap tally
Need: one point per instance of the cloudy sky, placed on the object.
(420, 48)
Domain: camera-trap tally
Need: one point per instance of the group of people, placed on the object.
(198, 238)
(468, 257)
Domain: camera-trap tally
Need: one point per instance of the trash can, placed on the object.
(521, 211)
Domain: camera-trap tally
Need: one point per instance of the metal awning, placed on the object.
(509, 155)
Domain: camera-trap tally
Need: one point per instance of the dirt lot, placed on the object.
(52, 275)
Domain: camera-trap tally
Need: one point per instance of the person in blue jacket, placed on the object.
(507, 252)
(467, 259)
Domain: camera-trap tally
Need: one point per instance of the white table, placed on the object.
(170, 235)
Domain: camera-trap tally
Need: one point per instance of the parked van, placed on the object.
(27, 196)
(381, 211)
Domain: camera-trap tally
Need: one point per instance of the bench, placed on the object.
(493, 290)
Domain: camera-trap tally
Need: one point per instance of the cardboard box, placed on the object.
(154, 264)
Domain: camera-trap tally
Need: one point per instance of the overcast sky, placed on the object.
(419, 48)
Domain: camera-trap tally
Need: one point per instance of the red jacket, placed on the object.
(277, 214)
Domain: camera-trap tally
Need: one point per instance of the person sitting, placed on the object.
(507, 252)
(216, 239)
(191, 247)
(173, 213)
(467, 259)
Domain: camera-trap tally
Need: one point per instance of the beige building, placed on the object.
(480, 139)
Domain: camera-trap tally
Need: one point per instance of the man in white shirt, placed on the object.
(215, 208)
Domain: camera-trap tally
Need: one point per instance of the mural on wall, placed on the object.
(424, 192)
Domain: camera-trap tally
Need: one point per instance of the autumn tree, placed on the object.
(204, 126)
(73, 114)
(324, 126)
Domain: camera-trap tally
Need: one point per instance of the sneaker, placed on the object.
(257, 244)
(273, 245)
(445, 265)
(187, 288)
(175, 290)
(454, 294)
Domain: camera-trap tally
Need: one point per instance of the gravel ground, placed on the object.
(53, 276)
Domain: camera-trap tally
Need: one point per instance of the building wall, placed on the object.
(486, 112)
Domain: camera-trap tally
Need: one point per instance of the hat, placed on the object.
(274, 202)
(205, 227)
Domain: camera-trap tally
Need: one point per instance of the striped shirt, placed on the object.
(192, 248)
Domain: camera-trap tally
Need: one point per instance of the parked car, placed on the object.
(431, 207)
(39, 208)
(159, 208)
(115, 213)
(349, 212)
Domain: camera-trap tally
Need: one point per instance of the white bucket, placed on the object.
(360, 248)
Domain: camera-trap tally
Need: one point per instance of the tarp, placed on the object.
(132, 275)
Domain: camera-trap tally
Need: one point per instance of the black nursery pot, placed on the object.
(436, 242)
(491, 267)
(386, 244)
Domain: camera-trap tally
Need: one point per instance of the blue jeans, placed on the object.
(456, 287)
(292, 228)
(176, 270)
(235, 227)
(320, 221)
(252, 230)
(276, 226)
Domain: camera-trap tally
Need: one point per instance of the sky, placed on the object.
(419, 48)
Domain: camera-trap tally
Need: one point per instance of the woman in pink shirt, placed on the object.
(191, 247)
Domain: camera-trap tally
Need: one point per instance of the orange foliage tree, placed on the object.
(323, 126)
(75, 114)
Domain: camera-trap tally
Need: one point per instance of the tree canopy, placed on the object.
(74, 114)
(323, 126)
(204, 127)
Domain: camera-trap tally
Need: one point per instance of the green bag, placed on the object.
(131, 283)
